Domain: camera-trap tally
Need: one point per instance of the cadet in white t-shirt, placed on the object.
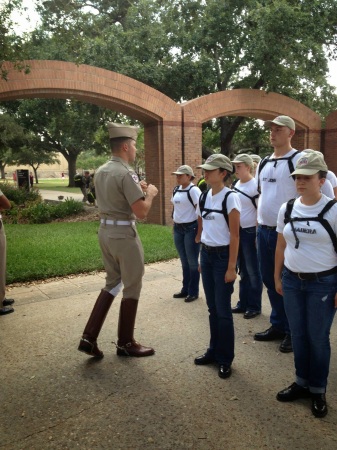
(219, 222)
(276, 187)
(307, 259)
(250, 291)
(329, 188)
(185, 198)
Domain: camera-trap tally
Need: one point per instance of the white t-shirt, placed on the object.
(315, 252)
(276, 187)
(248, 212)
(332, 178)
(327, 189)
(215, 231)
(184, 211)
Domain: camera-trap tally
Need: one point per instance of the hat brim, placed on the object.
(304, 172)
(208, 167)
(182, 173)
(269, 123)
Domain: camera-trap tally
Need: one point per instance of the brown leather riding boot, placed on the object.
(126, 345)
(92, 329)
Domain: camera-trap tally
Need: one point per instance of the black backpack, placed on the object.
(202, 201)
(267, 159)
(78, 180)
(319, 218)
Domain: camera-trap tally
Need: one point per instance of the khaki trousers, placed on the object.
(2, 262)
(123, 258)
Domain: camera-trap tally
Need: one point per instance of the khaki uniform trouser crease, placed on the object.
(123, 258)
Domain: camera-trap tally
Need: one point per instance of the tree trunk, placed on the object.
(227, 132)
(72, 169)
(2, 171)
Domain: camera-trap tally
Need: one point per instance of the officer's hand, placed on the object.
(143, 185)
(151, 190)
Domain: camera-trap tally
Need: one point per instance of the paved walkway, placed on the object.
(54, 195)
(54, 397)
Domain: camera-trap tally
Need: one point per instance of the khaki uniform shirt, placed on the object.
(117, 188)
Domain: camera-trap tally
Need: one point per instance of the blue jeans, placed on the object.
(310, 308)
(266, 246)
(218, 296)
(188, 250)
(250, 286)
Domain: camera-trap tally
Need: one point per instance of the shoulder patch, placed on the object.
(135, 177)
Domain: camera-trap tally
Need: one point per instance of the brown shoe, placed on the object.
(134, 348)
(90, 348)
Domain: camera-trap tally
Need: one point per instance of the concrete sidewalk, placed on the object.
(54, 195)
(54, 397)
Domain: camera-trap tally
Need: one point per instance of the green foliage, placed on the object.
(20, 196)
(45, 212)
(28, 207)
(36, 252)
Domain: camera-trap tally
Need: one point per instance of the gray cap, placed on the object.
(309, 164)
(282, 121)
(184, 170)
(243, 158)
(256, 158)
(217, 161)
(118, 130)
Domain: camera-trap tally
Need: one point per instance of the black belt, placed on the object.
(313, 276)
(186, 223)
(267, 227)
(220, 248)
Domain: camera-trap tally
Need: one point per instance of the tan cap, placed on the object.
(118, 130)
(217, 161)
(243, 158)
(282, 121)
(184, 170)
(309, 164)
(310, 150)
(256, 158)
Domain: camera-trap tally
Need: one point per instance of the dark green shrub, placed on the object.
(20, 196)
(38, 213)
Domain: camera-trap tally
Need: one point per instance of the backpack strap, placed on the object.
(264, 161)
(176, 189)
(325, 223)
(246, 195)
(202, 201)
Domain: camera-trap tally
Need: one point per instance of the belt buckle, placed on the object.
(299, 276)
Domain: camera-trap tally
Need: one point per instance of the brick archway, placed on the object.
(248, 103)
(160, 115)
(172, 131)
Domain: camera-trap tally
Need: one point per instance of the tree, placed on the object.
(189, 48)
(12, 137)
(11, 48)
(66, 126)
(34, 153)
(269, 44)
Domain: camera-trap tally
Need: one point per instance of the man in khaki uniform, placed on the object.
(5, 303)
(120, 199)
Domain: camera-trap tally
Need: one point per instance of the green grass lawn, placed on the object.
(36, 252)
(56, 184)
